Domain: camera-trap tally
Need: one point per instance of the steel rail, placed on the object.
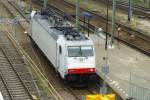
(19, 77)
(92, 27)
(29, 59)
(34, 67)
(138, 10)
(6, 86)
(16, 7)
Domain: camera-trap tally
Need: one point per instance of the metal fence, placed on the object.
(139, 87)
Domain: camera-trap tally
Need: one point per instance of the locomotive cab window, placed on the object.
(60, 50)
(87, 51)
(80, 51)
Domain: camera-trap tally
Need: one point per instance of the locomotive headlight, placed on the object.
(91, 69)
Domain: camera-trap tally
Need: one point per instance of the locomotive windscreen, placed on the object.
(80, 51)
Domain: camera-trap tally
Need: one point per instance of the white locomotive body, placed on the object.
(71, 53)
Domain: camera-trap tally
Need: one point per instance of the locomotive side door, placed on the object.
(60, 60)
(59, 56)
(61, 67)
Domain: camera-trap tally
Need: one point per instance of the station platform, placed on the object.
(123, 62)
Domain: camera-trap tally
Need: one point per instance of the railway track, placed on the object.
(71, 90)
(131, 37)
(80, 94)
(16, 79)
(125, 3)
(42, 93)
(138, 10)
(77, 94)
(73, 95)
(18, 9)
(3, 88)
(140, 41)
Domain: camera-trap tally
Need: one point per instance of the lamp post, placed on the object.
(129, 10)
(45, 4)
(106, 42)
(113, 22)
(30, 5)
